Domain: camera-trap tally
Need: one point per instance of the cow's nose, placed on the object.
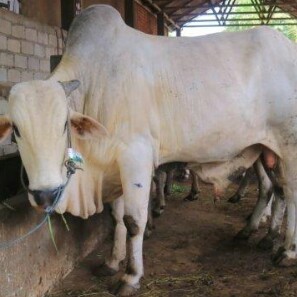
(45, 198)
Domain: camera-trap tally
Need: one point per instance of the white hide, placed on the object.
(197, 100)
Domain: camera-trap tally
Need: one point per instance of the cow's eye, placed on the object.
(16, 130)
(65, 127)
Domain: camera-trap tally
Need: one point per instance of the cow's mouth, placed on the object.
(48, 199)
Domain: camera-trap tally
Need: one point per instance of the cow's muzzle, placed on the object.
(45, 198)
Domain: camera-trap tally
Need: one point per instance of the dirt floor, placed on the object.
(192, 253)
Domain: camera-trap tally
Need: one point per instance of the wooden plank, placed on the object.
(129, 13)
(67, 13)
(160, 24)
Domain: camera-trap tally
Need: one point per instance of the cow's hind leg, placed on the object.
(160, 202)
(112, 264)
(265, 193)
(193, 195)
(136, 174)
(287, 254)
(243, 186)
(150, 221)
(278, 209)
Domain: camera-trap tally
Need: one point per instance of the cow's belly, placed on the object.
(218, 146)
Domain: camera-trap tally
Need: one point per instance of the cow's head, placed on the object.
(38, 113)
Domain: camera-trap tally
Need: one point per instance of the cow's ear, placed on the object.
(69, 86)
(5, 128)
(85, 127)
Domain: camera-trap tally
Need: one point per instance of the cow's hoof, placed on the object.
(235, 198)
(266, 243)
(103, 270)
(284, 258)
(191, 197)
(265, 219)
(243, 235)
(157, 212)
(147, 233)
(124, 289)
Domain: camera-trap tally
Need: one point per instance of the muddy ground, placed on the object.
(192, 253)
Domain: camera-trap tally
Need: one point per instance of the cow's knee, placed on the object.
(131, 225)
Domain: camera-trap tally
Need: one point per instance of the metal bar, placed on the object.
(223, 5)
(237, 25)
(258, 9)
(228, 13)
(224, 10)
(270, 14)
(244, 19)
(231, 13)
(215, 13)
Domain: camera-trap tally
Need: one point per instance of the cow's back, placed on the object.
(187, 93)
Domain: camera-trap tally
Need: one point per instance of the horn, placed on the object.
(5, 89)
(70, 86)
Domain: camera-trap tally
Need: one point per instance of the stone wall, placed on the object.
(26, 47)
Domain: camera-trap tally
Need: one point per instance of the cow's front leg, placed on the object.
(136, 164)
(112, 263)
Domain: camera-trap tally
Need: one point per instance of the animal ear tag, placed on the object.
(74, 156)
(73, 161)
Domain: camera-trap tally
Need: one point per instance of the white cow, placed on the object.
(148, 100)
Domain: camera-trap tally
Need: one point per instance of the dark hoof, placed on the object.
(270, 241)
(282, 259)
(191, 197)
(235, 198)
(124, 289)
(147, 233)
(243, 235)
(279, 256)
(266, 243)
(103, 270)
(157, 212)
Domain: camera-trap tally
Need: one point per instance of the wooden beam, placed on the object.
(67, 13)
(129, 13)
(160, 24)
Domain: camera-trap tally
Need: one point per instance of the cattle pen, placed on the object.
(192, 249)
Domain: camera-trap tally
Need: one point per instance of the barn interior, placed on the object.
(32, 37)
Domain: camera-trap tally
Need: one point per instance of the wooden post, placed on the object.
(160, 24)
(178, 32)
(67, 13)
(129, 13)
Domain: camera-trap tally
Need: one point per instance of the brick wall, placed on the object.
(144, 20)
(25, 50)
(26, 47)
